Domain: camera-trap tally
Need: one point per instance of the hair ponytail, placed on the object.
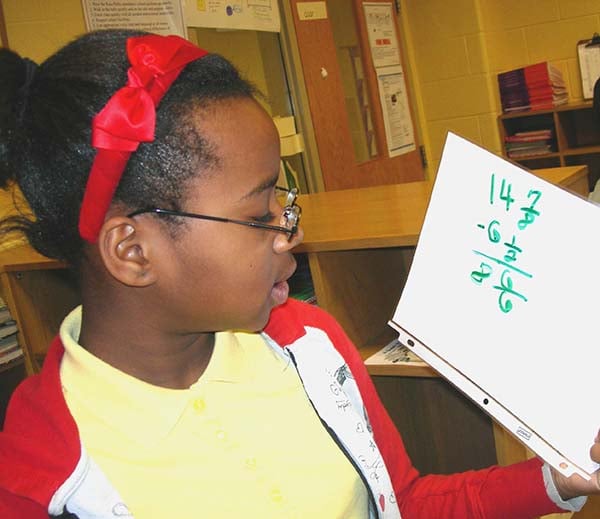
(16, 77)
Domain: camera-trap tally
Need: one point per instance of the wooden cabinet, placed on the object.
(39, 293)
(575, 137)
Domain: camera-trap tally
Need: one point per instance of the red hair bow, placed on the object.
(128, 118)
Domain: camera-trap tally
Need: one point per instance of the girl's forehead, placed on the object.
(243, 139)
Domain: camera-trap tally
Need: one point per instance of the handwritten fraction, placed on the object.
(499, 266)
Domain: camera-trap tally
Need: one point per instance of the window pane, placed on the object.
(343, 23)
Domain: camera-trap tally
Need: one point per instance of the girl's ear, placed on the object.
(125, 252)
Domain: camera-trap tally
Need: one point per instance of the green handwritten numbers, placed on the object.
(505, 190)
(505, 252)
(529, 213)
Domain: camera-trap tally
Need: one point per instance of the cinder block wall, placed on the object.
(36, 28)
(457, 49)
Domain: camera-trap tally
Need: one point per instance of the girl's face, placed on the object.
(221, 276)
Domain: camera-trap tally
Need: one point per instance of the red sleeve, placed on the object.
(14, 507)
(40, 441)
(515, 492)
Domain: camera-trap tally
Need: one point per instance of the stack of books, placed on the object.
(534, 87)
(9, 343)
(528, 143)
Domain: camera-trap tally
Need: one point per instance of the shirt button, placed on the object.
(221, 435)
(276, 495)
(199, 405)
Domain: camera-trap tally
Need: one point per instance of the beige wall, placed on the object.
(257, 57)
(37, 28)
(457, 49)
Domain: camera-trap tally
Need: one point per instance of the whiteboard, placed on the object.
(503, 299)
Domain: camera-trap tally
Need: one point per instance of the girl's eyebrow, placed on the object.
(263, 186)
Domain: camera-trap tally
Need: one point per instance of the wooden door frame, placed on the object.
(339, 165)
(3, 33)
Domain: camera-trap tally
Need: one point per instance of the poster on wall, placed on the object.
(383, 42)
(256, 15)
(396, 111)
(157, 16)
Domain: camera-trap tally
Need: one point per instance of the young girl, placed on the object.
(187, 385)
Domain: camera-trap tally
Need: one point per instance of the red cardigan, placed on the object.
(40, 446)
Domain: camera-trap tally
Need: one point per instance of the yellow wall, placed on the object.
(457, 49)
(37, 28)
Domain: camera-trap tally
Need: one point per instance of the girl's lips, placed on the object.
(280, 292)
(281, 289)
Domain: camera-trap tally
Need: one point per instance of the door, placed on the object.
(351, 119)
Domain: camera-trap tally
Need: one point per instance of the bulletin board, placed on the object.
(502, 299)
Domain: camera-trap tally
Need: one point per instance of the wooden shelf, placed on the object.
(583, 150)
(575, 136)
(19, 361)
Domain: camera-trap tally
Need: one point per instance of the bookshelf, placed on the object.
(39, 293)
(575, 137)
(359, 245)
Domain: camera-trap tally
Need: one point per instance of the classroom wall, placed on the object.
(36, 28)
(457, 49)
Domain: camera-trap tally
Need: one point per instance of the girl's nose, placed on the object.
(283, 244)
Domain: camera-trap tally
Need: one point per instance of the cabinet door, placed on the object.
(344, 98)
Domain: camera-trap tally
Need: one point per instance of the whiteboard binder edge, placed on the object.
(491, 406)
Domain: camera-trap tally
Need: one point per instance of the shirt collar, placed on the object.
(137, 408)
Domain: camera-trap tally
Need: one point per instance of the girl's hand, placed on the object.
(575, 485)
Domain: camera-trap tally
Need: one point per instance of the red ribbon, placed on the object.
(128, 118)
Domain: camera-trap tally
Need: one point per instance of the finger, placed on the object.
(595, 450)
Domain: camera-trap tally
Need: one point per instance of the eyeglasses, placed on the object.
(290, 217)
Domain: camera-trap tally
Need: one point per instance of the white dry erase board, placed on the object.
(503, 299)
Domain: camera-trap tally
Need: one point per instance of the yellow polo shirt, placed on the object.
(243, 441)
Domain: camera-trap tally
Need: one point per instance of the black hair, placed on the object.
(45, 134)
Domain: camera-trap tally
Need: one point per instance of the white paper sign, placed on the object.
(256, 15)
(308, 11)
(502, 299)
(156, 16)
(397, 120)
(381, 30)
